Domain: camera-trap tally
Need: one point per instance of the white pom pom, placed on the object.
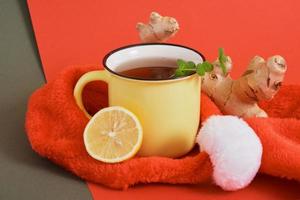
(234, 149)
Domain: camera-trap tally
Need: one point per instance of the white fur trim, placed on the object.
(234, 149)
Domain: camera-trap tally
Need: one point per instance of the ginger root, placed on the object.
(159, 28)
(261, 80)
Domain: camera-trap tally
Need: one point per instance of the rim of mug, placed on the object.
(147, 44)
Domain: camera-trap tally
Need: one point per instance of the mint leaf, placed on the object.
(181, 64)
(179, 73)
(200, 69)
(208, 67)
(222, 60)
(191, 65)
(222, 56)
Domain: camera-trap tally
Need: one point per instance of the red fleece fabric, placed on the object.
(54, 126)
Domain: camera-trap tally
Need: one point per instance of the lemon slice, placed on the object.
(114, 134)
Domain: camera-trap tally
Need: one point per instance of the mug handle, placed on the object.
(99, 75)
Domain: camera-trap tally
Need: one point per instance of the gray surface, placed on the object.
(23, 174)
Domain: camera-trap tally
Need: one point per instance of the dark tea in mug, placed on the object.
(148, 69)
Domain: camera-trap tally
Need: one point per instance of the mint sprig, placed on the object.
(186, 68)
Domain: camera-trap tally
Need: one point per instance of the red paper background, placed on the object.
(83, 31)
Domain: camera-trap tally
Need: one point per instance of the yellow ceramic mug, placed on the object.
(169, 109)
